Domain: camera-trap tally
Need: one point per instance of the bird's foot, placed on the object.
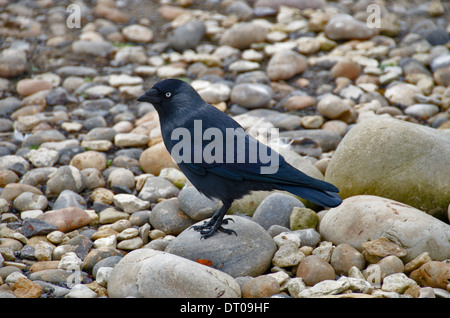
(207, 229)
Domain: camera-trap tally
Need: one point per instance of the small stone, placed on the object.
(103, 274)
(97, 255)
(280, 202)
(402, 94)
(95, 48)
(130, 244)
(434, 274)
(30, 86)
(93, 178)
(155, 158)
(117, 80)
(55, 237)
(188, 35)
(261, 287)
(324, 251)
(381, 247)
(34, 227)
(131, 140)
(288, 255)
(102, 195)
(43, 251)
(111, 215)
(325, 288)
(89, 159)
(168, 71)
(70, 260)
(303, 218)
(14, 163)
(375, 273)
(285, 64)
(81, 291)
(333, 107)
(398, 283)
(243, 34)
(251, 95)
(66, 219)
(13, 62)
(346, 27)
(129, 203)
(99, 91)
(243, 66)
(121, 177)
(312, 122)
(346, 68)
(25, 288)
(30, 201)
(295, 286)
(298, 102)
(7, 177)
(166, 216)
(313, 269)
(105, 242)
(417, 262)
(157, 187)
(196, 205)
(137, 33)
(344, 258)
(65, 178)
(68, 198)
(422, 111)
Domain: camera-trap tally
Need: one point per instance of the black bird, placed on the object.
(180, 106)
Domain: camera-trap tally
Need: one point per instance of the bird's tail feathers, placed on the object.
(322, 198)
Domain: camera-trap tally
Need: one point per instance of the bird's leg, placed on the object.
(207, 229)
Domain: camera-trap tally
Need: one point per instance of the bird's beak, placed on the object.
(151, 96)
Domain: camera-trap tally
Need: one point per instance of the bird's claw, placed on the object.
(207, 229)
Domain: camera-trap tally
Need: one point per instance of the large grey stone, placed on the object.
(148, 273)
(249, 253)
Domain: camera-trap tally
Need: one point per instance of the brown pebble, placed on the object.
(433, 274)
(25, 288)
(313, 269)
(261, 287)
(66, 219)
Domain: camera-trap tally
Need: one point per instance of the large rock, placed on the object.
(390, 158)
(249, 253)
(148, 273)
(362, 218)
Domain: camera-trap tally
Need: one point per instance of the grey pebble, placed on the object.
(282, 203)
(196, 205)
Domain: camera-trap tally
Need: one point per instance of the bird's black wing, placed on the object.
(245, 165)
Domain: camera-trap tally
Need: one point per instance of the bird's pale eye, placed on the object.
(168, 94)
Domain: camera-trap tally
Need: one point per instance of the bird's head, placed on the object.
(171, 94)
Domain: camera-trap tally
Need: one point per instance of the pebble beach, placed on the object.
(93, 206)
